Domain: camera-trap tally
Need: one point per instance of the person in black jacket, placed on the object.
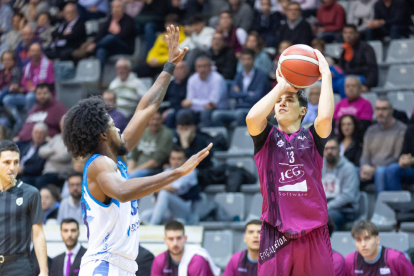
(144, 261)
(69, 36)
(358, 58)
(223, 57)
(267, 23)
(116, 36)
(349, 139)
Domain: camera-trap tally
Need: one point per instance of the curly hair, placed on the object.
(83, 124)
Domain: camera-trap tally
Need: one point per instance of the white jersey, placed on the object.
(112, 229)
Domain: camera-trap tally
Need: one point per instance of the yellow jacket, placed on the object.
(160, 49)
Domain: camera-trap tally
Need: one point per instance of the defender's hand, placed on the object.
(191, 163)
(175, 54)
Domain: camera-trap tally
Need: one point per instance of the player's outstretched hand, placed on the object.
(175, 54)
(284, 84)
(191, 163)
(323, 64)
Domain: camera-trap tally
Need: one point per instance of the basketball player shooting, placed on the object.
(109, 197)
(294, 236)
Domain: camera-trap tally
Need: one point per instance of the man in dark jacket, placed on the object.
(358, 58)
(223, 57)
(144, 261)
(266, 23)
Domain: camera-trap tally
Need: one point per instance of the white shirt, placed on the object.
(247, 79)
(74, 251)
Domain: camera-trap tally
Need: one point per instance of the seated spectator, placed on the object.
(198, 263)
(11, 39)
(69, 36)
(44, 30)
(175, 200)
(31, 164)
(116, 36)
(358, 58)
(234, 36)
(242, 13)
(68, 263)
(223, 57)
(296, 29)
(204, 91)
(158, 55)
(354, 104)
(283, 45)
(319, 44)
(33, 9)
(199, 36)
(185, 9)
(309, 7)
(341, 184)
(262, 60)
(58, 160)
(275, 5)
(176, 93)
(391, 18)
(78, 165)
(349, 138)
(338, 259)
(70, 207)
(129, 89)
(92, 9)
(382, 145)
(373, 259)
(314, 91)
(359, 13)
(248, 88)
(10, 75)
(50, 203)
(153, 150)
(246, 260)
(6, 14)
(144, 261)
(119, 119)
(266, 22)
(22, 49)
(331, 19)
(47, 110)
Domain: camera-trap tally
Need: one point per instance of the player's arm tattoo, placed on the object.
(158, 90)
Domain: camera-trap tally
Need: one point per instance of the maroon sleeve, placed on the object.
(398, 263)
(198, 266)
(157, 265)
(349, 263)
(339, 20)
(339, 264)
(231, 267)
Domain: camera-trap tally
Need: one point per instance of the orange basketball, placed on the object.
(299, 66)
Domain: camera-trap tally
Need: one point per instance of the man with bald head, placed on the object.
(22, 50)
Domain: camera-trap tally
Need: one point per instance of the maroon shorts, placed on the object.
(309, 255)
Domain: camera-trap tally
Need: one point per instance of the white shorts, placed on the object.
(102, 268)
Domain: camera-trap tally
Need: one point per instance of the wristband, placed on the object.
(169, 68)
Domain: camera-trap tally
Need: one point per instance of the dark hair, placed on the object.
(83, 124)
(19, 14)
(228, 12)
(303, 100)
(318, 41)
(294, 3)
(351, 26)
(44, 13)
(247, 51)
(332, 137)
(331, 226)
(73, 174)
(177, 148)
(174, 225)
(259, 39)
(364, 225)
(69, 220)
(172, 18)
(10, 53)
(185, 120)
(7, 145)
(54, 191)
(355, 134)
(253, 222)
(42, 85)
(197, 18)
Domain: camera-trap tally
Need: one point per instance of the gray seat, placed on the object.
(245, 162)
(337, 98)
(334, 50)
(343, 243)
(220, 246)
(407, 226)
(400, 77)
(146, 203)
(214, 131)
(362, 210)
(397, 241)
(403, 101)
(378, 49)
(255, 212)
(401, 51)
(371, 97)
(241, 145)
(215, 188)
(384, 216)
(250, 188)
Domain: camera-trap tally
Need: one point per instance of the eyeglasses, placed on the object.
(331, 148)
(382, 108)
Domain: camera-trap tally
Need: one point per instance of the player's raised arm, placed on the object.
(151, 101)
(323, 122)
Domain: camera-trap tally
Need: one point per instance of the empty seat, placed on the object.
(255, 212)
(377, 46)
(401, 51)
(241, 145)
(334, 50)
(403, 101)
(232, 203)
(400, 77)
(215, 188)
(397, 241)
(220, 246)
(214, 131)
(244, 162)
(146, 203)
(343, 242)
(371, 97)
(363, 206)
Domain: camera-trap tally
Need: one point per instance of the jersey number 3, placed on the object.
(291, 156)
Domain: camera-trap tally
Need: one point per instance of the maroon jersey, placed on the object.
(241, 265)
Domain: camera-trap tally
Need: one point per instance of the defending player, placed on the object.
(109, 197)
(294, 237)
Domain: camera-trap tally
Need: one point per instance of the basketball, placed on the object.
(299, 66)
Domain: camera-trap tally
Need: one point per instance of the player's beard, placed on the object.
(121, 150)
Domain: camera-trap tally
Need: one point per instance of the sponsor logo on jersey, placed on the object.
(303, 137)
(19, 201)
(385, 270)
(292, 174)
(241, 269)
(359, 271)
(272, 249)
(291, 177)
(280, 143)
(167, 270)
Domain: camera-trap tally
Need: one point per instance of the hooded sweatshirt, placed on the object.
(341, 184)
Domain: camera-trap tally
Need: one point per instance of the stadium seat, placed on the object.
(397, 241)
(215, 188)
(337, 98)
(255, 212)
(398, 77)
(214, 131)
(220, 246)
(403, 101)
(251, 188)
(343, 243)
(401, 51)
(377, 46)
(146, 203)
(334, 50)
(362, 210)
(371, 97)
(384, 216)
(245, 162)
(241, 145)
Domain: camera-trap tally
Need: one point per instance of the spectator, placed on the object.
(382, 145)
(283, 45)
(266, 22)
(22, 49)
(391, 18)
(242, 14)
(12, 38)
(370, 256)
(133, 7)
(44, 30)
(6, 14)
(223, 57)
(175, 200)
(58, 160)
(70, 207)
(92, 9)
(50, 203)
(31, 164)
(358, 58)
(199, 36)
(319, 44)
(78, 165)
(69, 36)
(331, 19)
(119, 119)
(190, 139)
(354, 104)
(128, 88)
(233, 36)
(176, 93)
(338, 259)
(204, 91)
(116, 36)
(197, 261)
(296, 29)
(261, 60)
(275, 5)
(341, 184)
(246, 260)
(248, 87)
(359, 13)
(144, 261)
(158, 55)
(314, 91)
(47, 110)
(152, 151)
(10, 75)
(33, 9)
(349, 139)
(309, 7)
(68, 263)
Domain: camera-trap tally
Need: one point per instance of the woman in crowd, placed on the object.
(10, 76)
(350, 143)
(262, 60)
